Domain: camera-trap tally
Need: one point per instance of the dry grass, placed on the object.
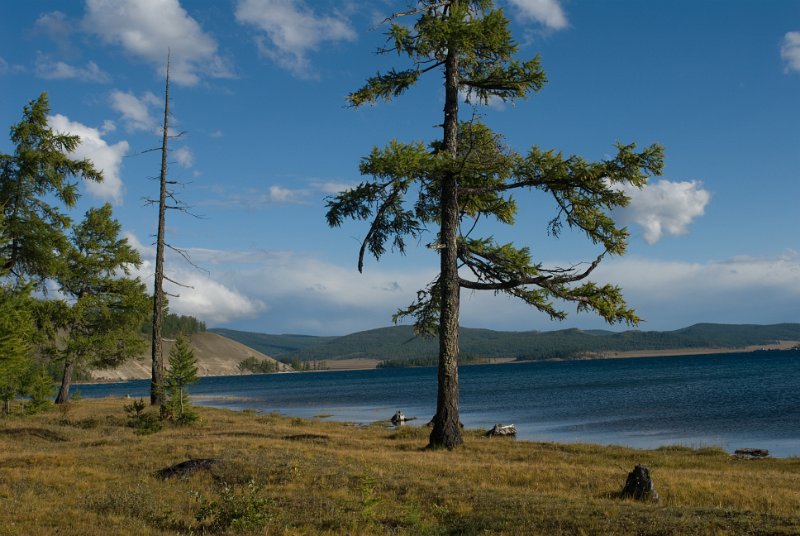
(85, 472)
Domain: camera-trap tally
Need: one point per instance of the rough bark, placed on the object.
(66, 382)
(157, 394)
(446, 424)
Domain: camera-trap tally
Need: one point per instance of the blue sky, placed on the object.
(259, 86)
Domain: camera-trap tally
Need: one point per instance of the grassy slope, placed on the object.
(399, 343)
(216, 356)
(273, 345)
(84, 472)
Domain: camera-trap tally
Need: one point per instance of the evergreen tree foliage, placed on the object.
(40, 390)
(16, 333)
(98, 324)
(182, 372)
(452, 184)
(34, 181)
(175, 324)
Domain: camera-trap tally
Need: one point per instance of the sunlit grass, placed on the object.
(85, 472)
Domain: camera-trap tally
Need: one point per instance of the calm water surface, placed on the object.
(727, 400)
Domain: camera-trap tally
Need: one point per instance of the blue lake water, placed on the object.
(726, 400)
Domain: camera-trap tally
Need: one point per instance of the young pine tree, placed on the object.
(182, 372)
(98, 324)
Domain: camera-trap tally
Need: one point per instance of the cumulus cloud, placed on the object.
(184, 156)
(148, 28)
(50, 69)
(790, 51)
(210, 296)
(664, 207)
(136, 111)
(291, 30)
(546, 12)
(106, 158)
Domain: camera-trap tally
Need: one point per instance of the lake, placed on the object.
(726, 400)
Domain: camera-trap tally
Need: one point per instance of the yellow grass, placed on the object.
(85, 472)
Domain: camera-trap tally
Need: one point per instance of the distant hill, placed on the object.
(398, 343)
(273, 345)
(216, 356)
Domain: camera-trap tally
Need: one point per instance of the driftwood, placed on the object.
(187, 468)
(751, 454)
(639, 485)
(502, 430)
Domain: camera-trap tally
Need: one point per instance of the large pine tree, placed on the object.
(469, 175)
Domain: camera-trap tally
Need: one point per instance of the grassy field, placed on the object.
(84, 471)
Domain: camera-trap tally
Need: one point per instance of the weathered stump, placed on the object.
(639, 485)
(502, 430)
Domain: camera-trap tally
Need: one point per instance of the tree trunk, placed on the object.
(66, 381)
(446, 424)
(6, 407)
(157, 394)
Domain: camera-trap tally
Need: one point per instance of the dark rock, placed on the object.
(502, 430)
(639, 485)
(187, 468)
(751, 454)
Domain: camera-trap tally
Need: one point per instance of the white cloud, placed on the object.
(148, 28)
(3, 65)
(184, 156)
(57, 27)
(663, 207)
(106, 158)
(50, 69)
(108, 126)
(136, 113)
(546, 12)
(209, 296)
(790, 51)
(292, 30)
(331, 187)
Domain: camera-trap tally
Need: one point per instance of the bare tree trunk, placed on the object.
(446, 424)
(157, 394)
(66, 381)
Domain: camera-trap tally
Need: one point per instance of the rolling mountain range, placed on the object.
(398, 344)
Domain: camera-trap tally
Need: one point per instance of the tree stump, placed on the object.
(502, 430)
(751, 454)
(639, 485)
